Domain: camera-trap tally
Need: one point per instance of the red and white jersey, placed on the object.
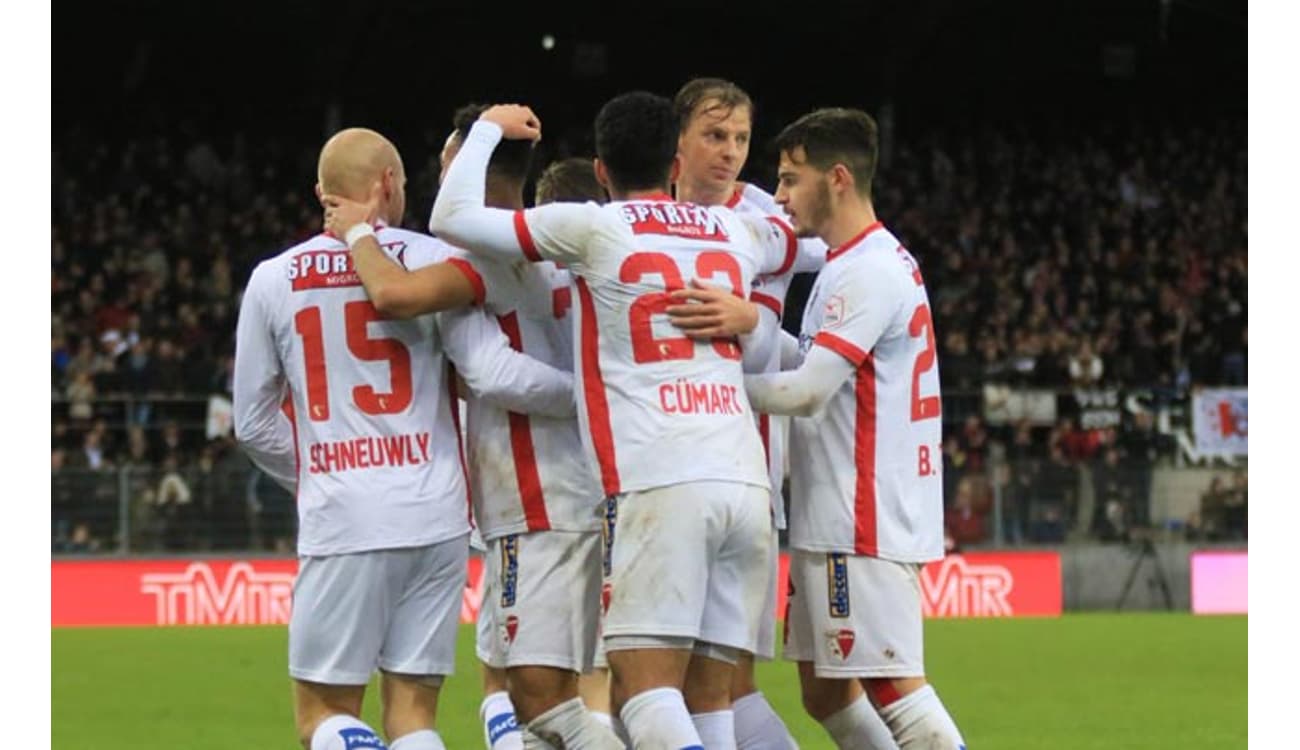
(377, 453)
(527, 472)
(865, 473)
(658, 408)
(769, 291)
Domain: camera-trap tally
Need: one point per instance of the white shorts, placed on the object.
(766, 650)
(394, 609)
(854, 615)
(690, 560)
(540, 600)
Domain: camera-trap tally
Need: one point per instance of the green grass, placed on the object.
(1112, 681)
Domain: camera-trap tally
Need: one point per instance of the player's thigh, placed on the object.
(659, 558)
(855, 616)
(421, 636)
(739, 571)
(342, 605)
(548, 608)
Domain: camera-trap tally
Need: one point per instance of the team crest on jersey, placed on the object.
(837, 584)
(841, 642)
(833, 311)
(509, 569)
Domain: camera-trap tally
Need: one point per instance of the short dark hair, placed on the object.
(511, 159)
(835, 136)
(571, 180)
(699, 90)
(636, 140)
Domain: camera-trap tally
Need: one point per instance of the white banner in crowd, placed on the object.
(221, 417)
(1219, 421)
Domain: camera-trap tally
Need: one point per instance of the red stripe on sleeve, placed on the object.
(865, 533)
(766, 300)
(593, 390)
(791, 245)
(521, 446)
(525, 238)
(842, 347)
(475, 280)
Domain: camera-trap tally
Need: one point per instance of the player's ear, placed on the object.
(676, 170)
(320, 194)
(841, 178)
(601, 175)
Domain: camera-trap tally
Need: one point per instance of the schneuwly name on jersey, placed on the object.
(331, 269)
(369, 452)
(676, 219)
(686, 397)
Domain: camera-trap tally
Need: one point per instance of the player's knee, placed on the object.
(742, 679)
(535, 690)
(824, 698)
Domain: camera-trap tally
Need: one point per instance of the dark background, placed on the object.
(124, 69)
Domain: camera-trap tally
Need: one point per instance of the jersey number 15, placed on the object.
(356, 318)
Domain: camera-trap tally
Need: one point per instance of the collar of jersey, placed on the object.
(378, 224)
(654, 198)
(847, 246)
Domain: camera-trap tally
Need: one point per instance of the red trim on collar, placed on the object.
(734, 200)
(833, 254)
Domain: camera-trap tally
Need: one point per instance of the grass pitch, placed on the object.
(1149, 681)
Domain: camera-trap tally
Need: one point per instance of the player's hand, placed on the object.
(517, 122)
(341, 214)
(708, 312)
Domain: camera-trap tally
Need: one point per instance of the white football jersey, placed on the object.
(769, 291)
(378, 461)
(866, 472)
(527, 472)
(657, 407)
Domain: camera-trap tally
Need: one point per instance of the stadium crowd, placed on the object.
(1055, 261)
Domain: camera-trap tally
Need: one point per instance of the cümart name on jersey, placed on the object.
(685, 397)
(368, 452)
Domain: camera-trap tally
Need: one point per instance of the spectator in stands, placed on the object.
(1234, 507)
(226, 471)
(62, 498)
(1112, 499)
(1208, 521)
(1052, 512)
(173, 501)
(1140, 448)
(1085, 366)
(962, 522)
(81, 398)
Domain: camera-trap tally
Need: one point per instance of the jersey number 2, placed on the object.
(356, 318)
(647, 348)
(921, 325)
